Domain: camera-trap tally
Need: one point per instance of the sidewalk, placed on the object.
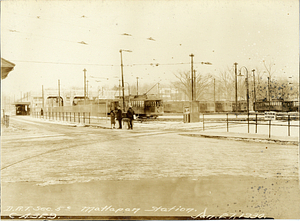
(291, 140)
(246, 137)
(197, 127)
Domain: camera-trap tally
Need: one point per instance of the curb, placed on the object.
(264, 140)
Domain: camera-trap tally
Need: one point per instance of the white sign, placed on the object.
(270, 115)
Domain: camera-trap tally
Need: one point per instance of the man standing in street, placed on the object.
(119, 117)
(130, 115)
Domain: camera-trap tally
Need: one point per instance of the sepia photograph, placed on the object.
(150, 109)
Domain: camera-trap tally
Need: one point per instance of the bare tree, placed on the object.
(225, 88)
(203, 86)
(184, 84)
(269, 68)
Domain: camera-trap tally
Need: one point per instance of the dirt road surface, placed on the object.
(62, 170)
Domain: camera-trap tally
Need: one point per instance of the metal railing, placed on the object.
(232, 120)
(5, 120)
(72, 117)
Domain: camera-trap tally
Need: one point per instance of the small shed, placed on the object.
(22, 108)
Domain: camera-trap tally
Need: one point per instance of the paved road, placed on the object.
(51, 165)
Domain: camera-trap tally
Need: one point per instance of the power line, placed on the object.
(108, 65)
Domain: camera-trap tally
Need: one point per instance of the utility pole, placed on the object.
(215, 94)
(43, 104)
(122, 81)
(192, 75)
(123, 77)
(247, 94)
(195, 85)
(84, 71)
(58, 92)
(137, 85)
(253, 71)
(119, 88)
(158, 90)
(269, 92)
(235, 79)
(87, 88)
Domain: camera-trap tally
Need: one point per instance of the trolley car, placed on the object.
(276, 105)
(142, 106)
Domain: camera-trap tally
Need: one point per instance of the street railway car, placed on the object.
(175, 106)
(142, 106)
(206, 107)
(223, 106)
(276, 105)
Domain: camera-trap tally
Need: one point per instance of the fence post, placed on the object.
(289, 125)
(255, 123)
(63, 116)
(6, 119)
(203, 122)
(89, 117)
(74, 117)
(84, 117)
(78, 117)
(227, 122)
(269, 128)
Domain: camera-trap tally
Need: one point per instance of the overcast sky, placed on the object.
(51, 40)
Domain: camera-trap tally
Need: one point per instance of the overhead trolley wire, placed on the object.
(108, 65)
